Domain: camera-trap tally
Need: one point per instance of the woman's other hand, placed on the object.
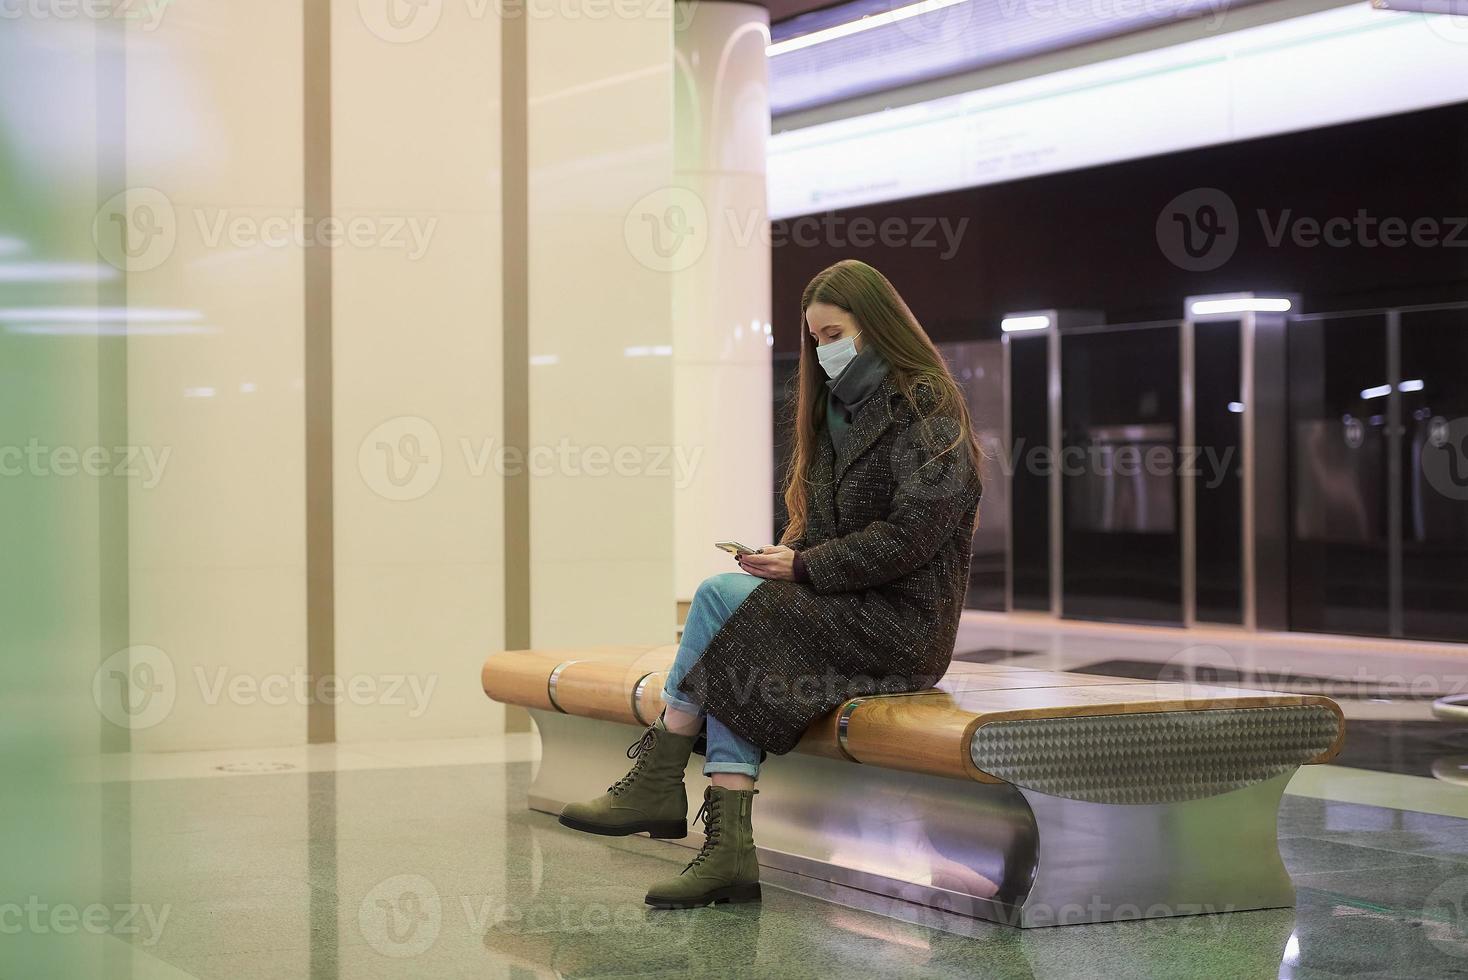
(774, 561)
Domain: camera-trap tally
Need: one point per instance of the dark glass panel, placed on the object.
(1338, 541)
(979, 368)
(1122, 558)
(1030, 488)
(786, 369)
(1434, 393)
(1219, 465)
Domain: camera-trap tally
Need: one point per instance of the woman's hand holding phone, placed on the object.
(775, 561)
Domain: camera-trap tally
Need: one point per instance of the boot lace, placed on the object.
(710, 815)
(637, 750)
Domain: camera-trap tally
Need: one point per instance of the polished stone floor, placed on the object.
(421, 860)
(441, 871)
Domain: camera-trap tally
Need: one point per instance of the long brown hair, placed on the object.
(913, 361)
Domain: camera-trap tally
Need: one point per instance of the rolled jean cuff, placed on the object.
(678, 704)
(750, 769)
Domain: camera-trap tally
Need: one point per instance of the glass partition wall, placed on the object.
(979, 368)
(1302, 472)
(1339, 486)
(1432, 395)
(1379, 489)
(1120, 416)
(1026, 456)
(1216, 510)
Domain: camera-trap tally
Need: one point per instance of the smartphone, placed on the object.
(735, 548)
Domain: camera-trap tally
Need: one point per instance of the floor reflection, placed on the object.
(443, 872)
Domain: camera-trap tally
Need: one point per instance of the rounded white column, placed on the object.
(721, 285)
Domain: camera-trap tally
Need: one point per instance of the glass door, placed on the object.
(1338, 559)
(979, 368)
(1433, 391)
(1120, 428)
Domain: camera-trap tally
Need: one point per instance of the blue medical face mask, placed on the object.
(837, 354)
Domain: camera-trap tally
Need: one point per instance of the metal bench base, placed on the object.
(991, 851)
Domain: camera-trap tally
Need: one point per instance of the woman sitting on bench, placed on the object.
(862, 595)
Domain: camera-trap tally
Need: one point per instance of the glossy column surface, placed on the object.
(604, 456)
(710, 229)
(215, 373)
(315, 249)
(417, 330)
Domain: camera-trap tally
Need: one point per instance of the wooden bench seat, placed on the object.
(1028, 796)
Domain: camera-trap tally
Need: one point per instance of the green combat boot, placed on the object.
(726, 869)
(649, 798)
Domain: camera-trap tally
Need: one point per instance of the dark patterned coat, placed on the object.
(887, 547)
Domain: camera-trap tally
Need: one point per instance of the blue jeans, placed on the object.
(716, 597)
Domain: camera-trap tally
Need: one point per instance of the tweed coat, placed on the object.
(887, 547)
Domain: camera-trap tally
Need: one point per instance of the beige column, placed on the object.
(602, 456)
(715, 230)
(213, 259)
(416, 338)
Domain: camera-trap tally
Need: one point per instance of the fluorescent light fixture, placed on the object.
(1451, 8)
(95, 314)
(108, 329)
(1236, 407)
(1028, 321)
(1227, 85)
(1240, 304)
(857, 26)
(55, 272)
(1380, 391)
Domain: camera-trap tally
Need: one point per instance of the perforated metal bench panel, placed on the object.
(1153, 757)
